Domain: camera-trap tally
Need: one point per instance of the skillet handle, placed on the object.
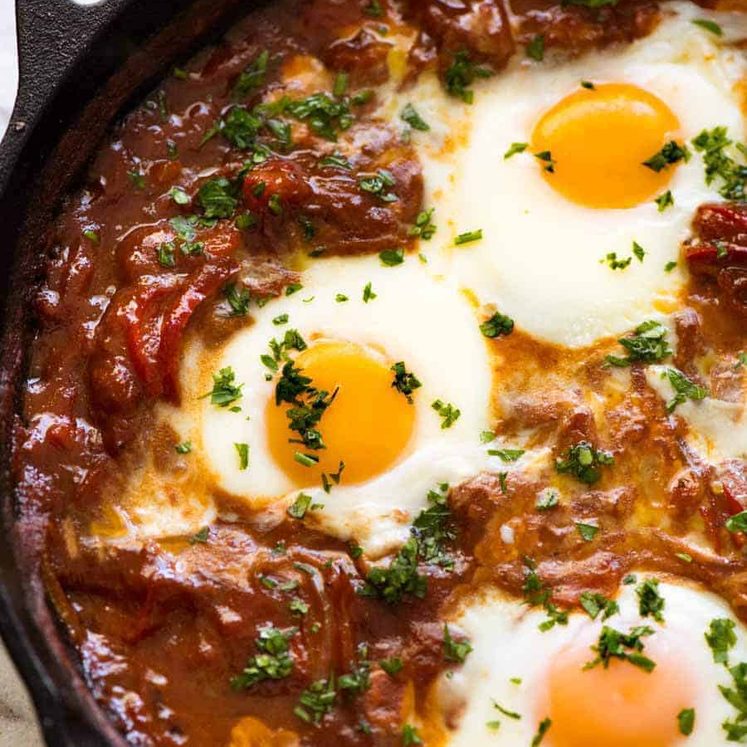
(53, 35)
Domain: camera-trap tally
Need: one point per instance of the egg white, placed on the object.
(539, 260)
(508, 645)
(425, 322)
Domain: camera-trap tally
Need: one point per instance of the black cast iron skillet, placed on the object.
(80, 67)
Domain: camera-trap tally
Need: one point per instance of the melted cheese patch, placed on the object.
(717, 429)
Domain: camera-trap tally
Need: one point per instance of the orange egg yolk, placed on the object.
(368, 425)
(620, 706)
(598, 140)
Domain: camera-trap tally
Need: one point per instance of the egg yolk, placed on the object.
(597, 140)
(620, 706)
(367, 426)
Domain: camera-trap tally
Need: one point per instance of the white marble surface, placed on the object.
(17, 720)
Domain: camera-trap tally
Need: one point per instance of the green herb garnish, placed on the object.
(583, 461)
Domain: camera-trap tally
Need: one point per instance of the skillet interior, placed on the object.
(80, 67)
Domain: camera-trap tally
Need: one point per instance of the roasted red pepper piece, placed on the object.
(719, 250)
(274, 184)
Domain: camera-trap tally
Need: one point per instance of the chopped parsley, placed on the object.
(272, 660)
(137, 179)
(736, 729)
(721, 639)
(243, 451)
(542, 729)
(241, 128)
(587, 531)
(340, 87)
(588, 85)
(400, 578)
(709, 25)
(280, 320)
(650, 602)
(613, 644)
(670, 154)
(292, 340)
(179, 196)
(686, 721)
(298, 607)
(505, 712)
(461, 74)
(326, 116)
(358, 680)
(338, 160)
(410, 115)
(274, 204)
(392, 257)
(333, 478)
(225, 391)
(316, 701)
(468, 237)
(497, 325)
(515, 148)
(218, 198)
(300, 506)
(448, 413)
(379, 184)
(238, 299)
(253, 76)
(647, 344)
(201, 537)
(595, 604)
(738, 522)
(684, 389)
(614, 262)
(368, 293)
(374, 9)
(92, 236)
(546, 157)
(392, 666)
(405, 382)
(341, 298)
(246, 220)
(308, 404)
(432, 529)
(410, 736)
(166, 254)
(424, 227)
(665, 201)
(535, 50)
(669, 266)
(537, 594)
(506, 455)
(185, 447)
(638, 251)
(185, 226)
(456, 651)
(583, 461)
